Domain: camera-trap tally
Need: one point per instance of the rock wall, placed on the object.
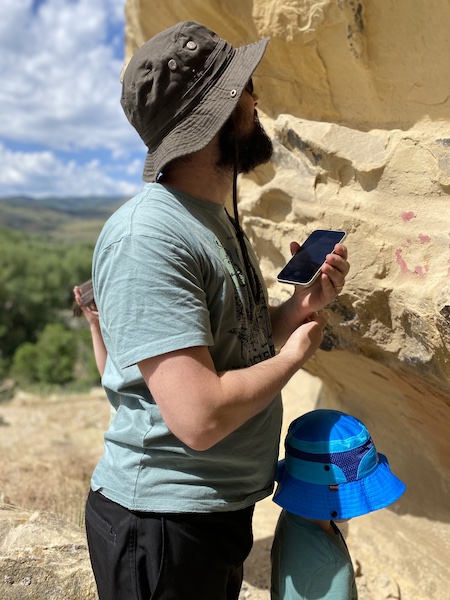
(356, 96)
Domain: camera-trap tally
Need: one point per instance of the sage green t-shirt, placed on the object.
(168, 274)
(308, 563)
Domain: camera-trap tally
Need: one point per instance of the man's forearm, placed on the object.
(201, 406)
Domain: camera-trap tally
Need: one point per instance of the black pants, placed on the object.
(160, 556)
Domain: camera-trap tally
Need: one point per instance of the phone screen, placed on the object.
(304, 266)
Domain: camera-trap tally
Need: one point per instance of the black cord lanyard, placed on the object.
(252, 277)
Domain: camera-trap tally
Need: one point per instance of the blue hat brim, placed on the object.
(378, 490)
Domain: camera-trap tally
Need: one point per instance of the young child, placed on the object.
(331, 473)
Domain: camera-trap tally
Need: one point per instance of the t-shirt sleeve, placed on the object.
(332, 582)
(151, 298)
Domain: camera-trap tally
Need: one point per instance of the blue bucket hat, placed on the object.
(332, 470)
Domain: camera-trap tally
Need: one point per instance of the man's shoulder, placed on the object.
(150, 209)
(151, 200)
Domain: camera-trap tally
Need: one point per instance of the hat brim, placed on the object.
(378, 490)
(206, 119)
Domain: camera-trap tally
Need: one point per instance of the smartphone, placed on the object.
(87, 297)
(304, 267)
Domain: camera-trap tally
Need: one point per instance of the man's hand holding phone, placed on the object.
(317, 269)
(309, 297)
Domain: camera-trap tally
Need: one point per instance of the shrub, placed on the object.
(56, 354)
(85, 367)
(24, 364)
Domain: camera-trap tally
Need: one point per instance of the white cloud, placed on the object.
(27, 173)
(135, 167)
(60, 75)
(60, 62)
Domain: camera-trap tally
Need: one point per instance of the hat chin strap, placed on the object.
(252, 277)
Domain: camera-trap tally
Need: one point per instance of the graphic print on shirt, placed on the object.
(254, 331)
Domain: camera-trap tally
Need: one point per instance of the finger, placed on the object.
(341, 250)
(321, 318)
(294, 247)
(336, 282)
(318, 321)
(335, 272)
(311, 317)
(78, 297)
(339, 262)
(331, 287)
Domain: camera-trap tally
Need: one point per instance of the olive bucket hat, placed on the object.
(181, 86)
(332, 469)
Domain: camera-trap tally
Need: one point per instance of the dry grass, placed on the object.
(49, 448)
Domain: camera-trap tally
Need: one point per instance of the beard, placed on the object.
(253, 149)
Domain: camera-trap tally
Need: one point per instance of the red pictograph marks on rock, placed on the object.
(410, 259)
(424, 239)
(408, 216)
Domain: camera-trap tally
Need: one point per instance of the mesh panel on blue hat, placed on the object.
(348, 461)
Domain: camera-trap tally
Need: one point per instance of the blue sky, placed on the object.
(62, 129)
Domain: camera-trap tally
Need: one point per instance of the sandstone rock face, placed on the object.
(356, 96)
(42, 558)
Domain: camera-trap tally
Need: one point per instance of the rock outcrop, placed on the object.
(356, 96)
(43, 558)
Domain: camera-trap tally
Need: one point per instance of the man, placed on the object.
(192, 368)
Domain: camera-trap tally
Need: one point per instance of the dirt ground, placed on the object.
(49, 447)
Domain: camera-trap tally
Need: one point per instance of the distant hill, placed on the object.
(70, 219)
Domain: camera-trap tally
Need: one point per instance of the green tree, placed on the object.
(86, 371)
(24, 363)
(56, 354)
(36, 281)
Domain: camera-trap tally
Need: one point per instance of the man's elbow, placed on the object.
(200, 439)
(199, 444)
